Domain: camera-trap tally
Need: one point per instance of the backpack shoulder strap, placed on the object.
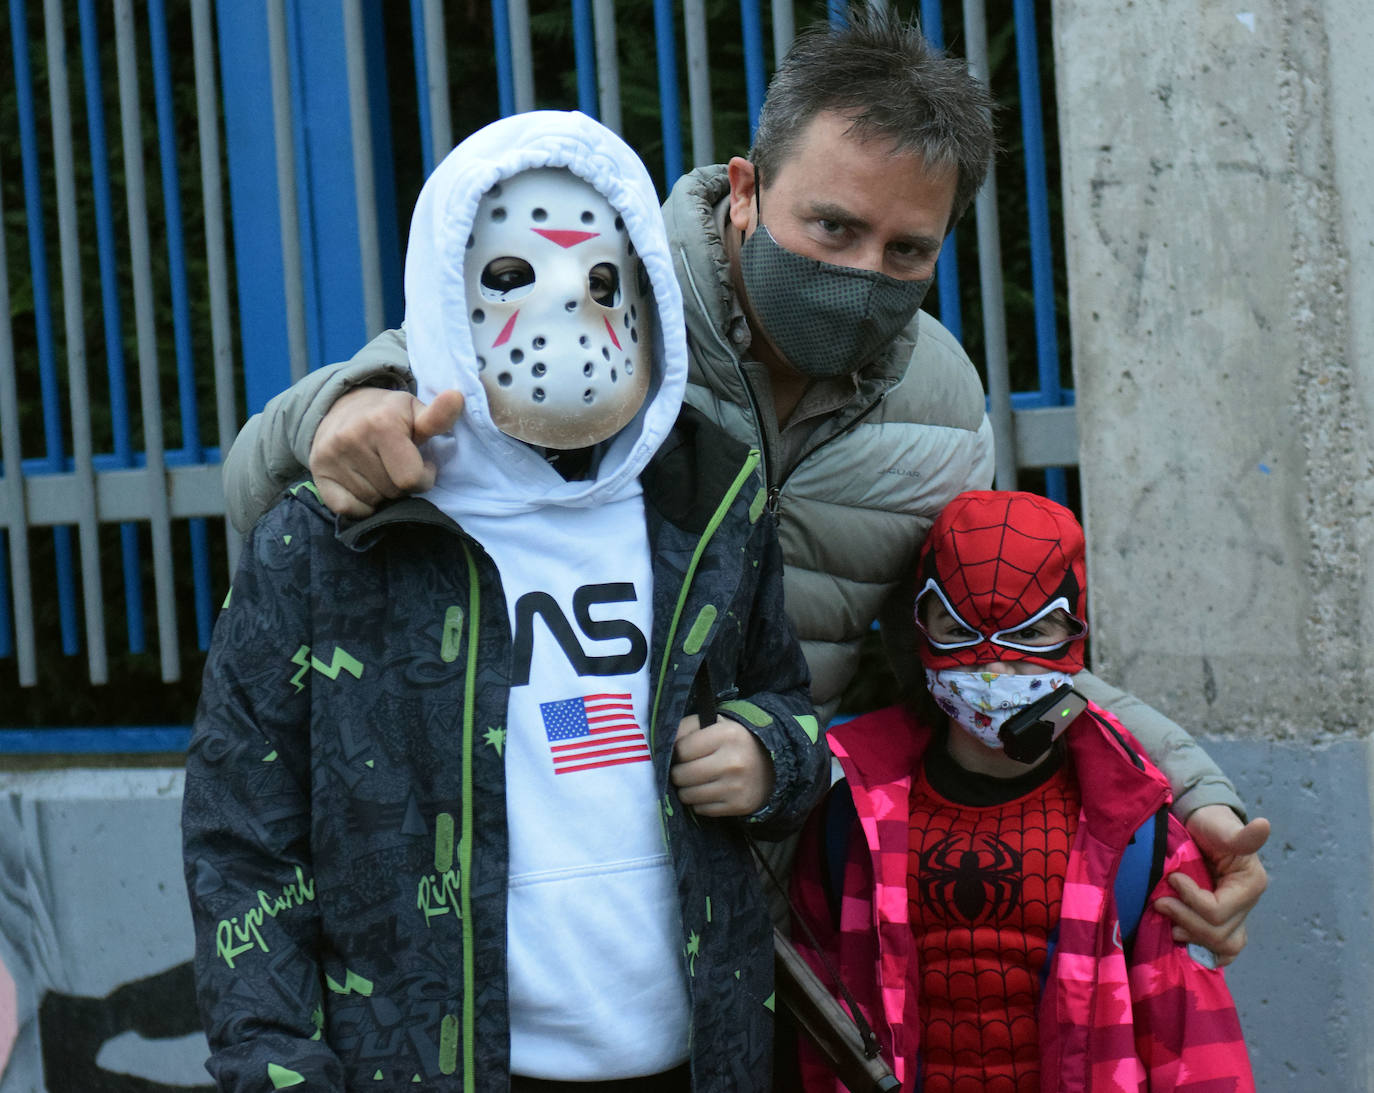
(1142, 866)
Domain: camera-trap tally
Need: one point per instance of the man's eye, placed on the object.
(830, 227)
(503, 275)
(604, 283)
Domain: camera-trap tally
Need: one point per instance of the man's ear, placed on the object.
(741, 174)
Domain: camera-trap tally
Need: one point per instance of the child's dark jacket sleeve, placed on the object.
(773, 677)
(246, 826)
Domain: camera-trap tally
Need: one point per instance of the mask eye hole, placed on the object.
(604, 283)
(507, 278)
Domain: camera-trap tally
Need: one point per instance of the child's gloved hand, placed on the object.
(722, 769)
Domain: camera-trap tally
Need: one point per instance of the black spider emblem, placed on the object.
(970, 878)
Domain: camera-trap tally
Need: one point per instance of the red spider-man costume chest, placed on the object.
(984, 887)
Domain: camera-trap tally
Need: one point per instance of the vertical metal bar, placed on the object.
(1037, 191)
(521, 55)
(12, 486)
(74, 320)
(364, 180)
(755, 82)
(418, 32)
(607, 63)
(584, 54)
(109, 293)
(784, 29)
(990, 273)
(435, 92)
(216, 251)
(501, 43)
(665, 42)
(699, 83)
(42, 308)
(947, 267)
(1038, 209)
(181, 310)
(140, 262)
(293, 279)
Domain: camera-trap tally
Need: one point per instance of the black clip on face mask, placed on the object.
(1028, 735)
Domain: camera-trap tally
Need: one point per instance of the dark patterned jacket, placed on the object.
(344, 815)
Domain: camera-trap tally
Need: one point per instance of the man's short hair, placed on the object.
(882, 72)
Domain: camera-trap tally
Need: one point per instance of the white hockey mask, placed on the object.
(559, 310)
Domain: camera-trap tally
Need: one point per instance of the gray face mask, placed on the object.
(826, 320)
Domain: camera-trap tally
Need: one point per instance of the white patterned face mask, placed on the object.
(982, 702)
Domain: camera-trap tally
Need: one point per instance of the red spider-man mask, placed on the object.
(1000, 562)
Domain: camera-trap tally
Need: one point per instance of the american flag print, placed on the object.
(593, 731)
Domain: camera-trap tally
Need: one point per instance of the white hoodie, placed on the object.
(596, 974)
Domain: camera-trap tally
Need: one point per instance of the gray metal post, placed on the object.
(216, 251)
(698, 83)
(990, 274)
(12, 488)
(140, 262)
(607, 63)
(73, 313)
(436, 68)
(293, 277)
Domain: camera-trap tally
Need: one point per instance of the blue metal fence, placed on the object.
(312, 181)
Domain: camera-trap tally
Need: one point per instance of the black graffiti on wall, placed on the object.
(72, 1028)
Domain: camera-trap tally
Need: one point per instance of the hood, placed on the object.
(481, 470)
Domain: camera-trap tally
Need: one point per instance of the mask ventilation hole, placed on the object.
(539, 215)
(539, 342)
(587, 396)
(516, 356)
(538, 394)
(571, 305)
(584, 341)
(613, 375)
(498, 214)
(504, 379)
(479, 316)
(629, 367)
(588, 369)
(539, 368)
(588, 217)
(481, 363)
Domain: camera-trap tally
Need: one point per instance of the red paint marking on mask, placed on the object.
(564, 237)
(505, 334)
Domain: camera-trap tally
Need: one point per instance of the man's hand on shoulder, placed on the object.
(367, 448)
(1216, 920)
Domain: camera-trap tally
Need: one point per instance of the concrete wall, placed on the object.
(1217, 161)
(96, 991)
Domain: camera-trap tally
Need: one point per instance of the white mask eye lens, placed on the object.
(604, 283)
(507, 279)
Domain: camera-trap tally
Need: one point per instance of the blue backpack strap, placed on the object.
(1142, 865)
(839, 820)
